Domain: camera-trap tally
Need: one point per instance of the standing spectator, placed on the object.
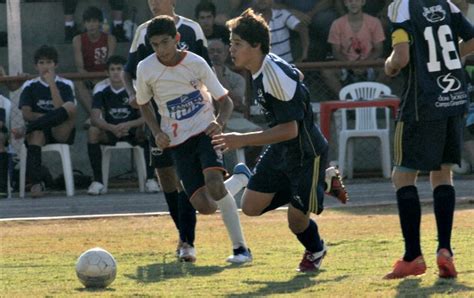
(232, 81)
(205, 13)
(71, 30)
(355, 36)
(3, 152)
(318, 15)
(48, 108)
(114, 120)
(281, 21)
(429, 130)
(91, 51)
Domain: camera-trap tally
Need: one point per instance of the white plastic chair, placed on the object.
(365, 125)
(138, 156)
(7, 106)
(64, 152)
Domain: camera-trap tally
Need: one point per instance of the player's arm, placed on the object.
(279, 133)
(400, 55)
(466, 47)
(78, 60)
(224, 110)
(28, 114)
(99, 122)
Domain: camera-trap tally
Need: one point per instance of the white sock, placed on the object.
(235, 183)
(69, 24)
(231, 219)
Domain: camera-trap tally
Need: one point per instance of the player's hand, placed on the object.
(123, 128)
(116, 131)
(162, 140)
(49, 77)
(389, 70)
(227, 141)
(213, 129)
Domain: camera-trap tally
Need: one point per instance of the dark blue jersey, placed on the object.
(284, 98)
(114, 104)
(192, 39)
(436, 85)
(36, 94)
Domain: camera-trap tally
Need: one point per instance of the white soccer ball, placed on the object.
(96, 268)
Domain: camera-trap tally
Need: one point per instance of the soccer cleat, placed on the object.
(312, 261)
(187, 253)
(446, 264)
(242, 168)
(95, 189)
(36, 190)
(403, 268)
(178, 247)
(241, 255)
(334, 185)
(151, 186)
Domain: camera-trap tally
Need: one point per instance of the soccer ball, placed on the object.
(96, 268)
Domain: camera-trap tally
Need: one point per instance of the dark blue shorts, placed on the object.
(163, 160)
(426, 145)
(49, 138)
(192, 158)
(277, 170)
(131, 138)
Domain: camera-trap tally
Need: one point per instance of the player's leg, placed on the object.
(63, 116)
(444, 195)
(3, 161)
(34, 140)
(96, 136)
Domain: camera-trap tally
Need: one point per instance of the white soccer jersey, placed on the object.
(182, 93)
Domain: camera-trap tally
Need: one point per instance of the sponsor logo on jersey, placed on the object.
(119, 113)
(434, 14)
(185, 106)
(45, 104)
(449, 83)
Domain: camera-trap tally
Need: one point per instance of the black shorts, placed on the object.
(192, 158)
(164, 160)
(305, 179)
(131, 138)
(426, 145)
(4, 130)
(49, 138)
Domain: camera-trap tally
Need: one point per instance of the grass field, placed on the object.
(38, 258)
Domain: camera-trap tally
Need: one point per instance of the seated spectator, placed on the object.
(3, 153)
(114, 120)
(318, 15)
(281, 21)
(232, 81)
(91, 50)
(205, 13)
(48, 107)
(71, 30)
(355, 36)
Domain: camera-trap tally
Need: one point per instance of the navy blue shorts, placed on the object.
(192, 158)
(131, 138)
(49, 138)
(426, 145)
(275, 171)
(164, 160)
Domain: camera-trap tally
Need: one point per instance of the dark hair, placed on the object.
(116, 59)
(92, 13)
(252, 28)
(205, 5)
(161, 25)
(46, 52)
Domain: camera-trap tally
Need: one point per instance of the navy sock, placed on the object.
(444, 203)
(281, 197)
(409, 211)
(33, 164)
(310, 238)
(51, 119)
(3, 172)
(95, 158)
(172, 201)
(187, 219)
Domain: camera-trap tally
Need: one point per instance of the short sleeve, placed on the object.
(277, 83)
(334, 36)
(98, 100)
(286, 111)
(67, 93)
(209, 78)
(26, 98)
(144, 90)
(291, 21)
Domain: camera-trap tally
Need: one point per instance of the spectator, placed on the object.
(91, 50)
(355, 36)
(49, 110)
(3, 152)
(318, 15)
(114, 120)
(205, 13)
(236, 8)
(70, 28)
(281, 21)
(232, 81)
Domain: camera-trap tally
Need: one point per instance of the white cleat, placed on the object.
(187, 253)
(241, 255)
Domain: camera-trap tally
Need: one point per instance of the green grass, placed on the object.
(38, 258)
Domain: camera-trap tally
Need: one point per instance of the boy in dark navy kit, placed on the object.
(48, 107)
(113, 120)
(428, 134)
(193, 40)
(292, 169)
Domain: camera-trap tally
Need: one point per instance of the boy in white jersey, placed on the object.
(181, 84)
